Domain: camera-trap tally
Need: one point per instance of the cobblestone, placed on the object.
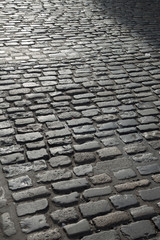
(31, 207)
(112, 235)
(123, 201)
(111, 219)
(79, 119)
(139, 229)
(34, 223)
(77, 228)
(51, 234)
(65, 215)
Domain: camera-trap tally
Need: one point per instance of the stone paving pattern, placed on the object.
(79, 119)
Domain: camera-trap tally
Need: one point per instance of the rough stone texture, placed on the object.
(150, 194)
(66, 200)
(123, 201)
(125, 174)
(65, 215)
(52, 234)
(31, 207)
(7, 224)
(132, 185)
(142, 212)
(83, 170)
(53, 175)
(34, 223)
(156, 221)
(85, 157)
(20, 183)
(94, 208)
(31, 193)
(139, 230)
(59, 161)
(96, 192)
(111, 235)
(111, 219)
(77, 228)
(108, 153)
(100, 179)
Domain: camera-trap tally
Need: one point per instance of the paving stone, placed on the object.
(31, 193)
(109, 142)
(144, 157)
(39, 165)
(31, 207)
(60, 141)
(111, 219)
(123, 201)
(156, 221)
(150, 194)
(84, 157)
(12, 158)
(96, 192)
(156, 178)
(47, 118)
(78, 228)
(112, 235)
(53, 175)
(107, 126)
(142, 212)
(125, 174)
(28, 137)
(84, 129)
(83, 170)
(58, 133)
(70, 185)
(61, 150)
(108, 153)
(37, 154)
(15, 170)
(31, 224)
(152, 135)
(131, 185)
(80, 121)
(135, 148)
(51, 234)
(7, 224)
(60, 161)
(66, 215)
(87, 146)
(92, 209)
(66, 200)
(129, 138)
(20, 183)
(112, 165)
(100, 179)
(138, 230)
(149, 169)
(83, 138)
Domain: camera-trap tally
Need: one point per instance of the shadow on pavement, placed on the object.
(142, 17)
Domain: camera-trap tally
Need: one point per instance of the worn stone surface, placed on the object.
(79, 118)
(52, 234)
(31, 224)
(77, 228)
(8, 224)
(111, 219)
(112, 235)
(65, 215)
(94, 208)
(139, 229)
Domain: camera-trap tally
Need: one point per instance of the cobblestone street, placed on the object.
(79, 120)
